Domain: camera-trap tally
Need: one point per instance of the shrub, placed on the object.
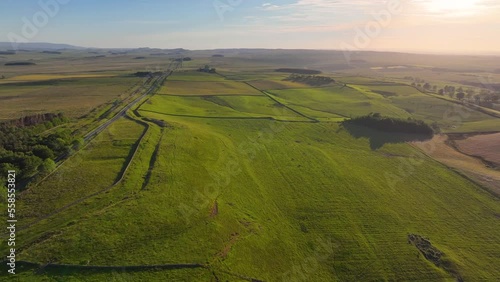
(47, 166)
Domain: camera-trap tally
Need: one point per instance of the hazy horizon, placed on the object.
(466, 27)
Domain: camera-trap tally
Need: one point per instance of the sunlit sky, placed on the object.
(436, 26)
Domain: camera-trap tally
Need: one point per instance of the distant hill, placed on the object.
(38, 46)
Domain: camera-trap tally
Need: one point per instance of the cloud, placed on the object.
(149, 22)
(270, 7)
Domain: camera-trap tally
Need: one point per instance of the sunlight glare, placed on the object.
(453, 6)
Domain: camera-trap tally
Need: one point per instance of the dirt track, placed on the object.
(471, 167)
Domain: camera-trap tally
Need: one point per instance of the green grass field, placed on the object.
(249, 176)
(95, 168)
(207, 88)
(450, 116)
(195, 76)
(276, 84)
(226, 195)
(336, 100)
(219, 106)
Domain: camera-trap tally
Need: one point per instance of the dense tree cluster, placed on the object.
(207, 69)
(313, 80)
(24, 150)
(20, 64)
(44, 120)
(389, 124)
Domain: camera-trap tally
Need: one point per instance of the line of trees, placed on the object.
(390, 124)
(484, 97)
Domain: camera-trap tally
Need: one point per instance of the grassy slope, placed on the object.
(280, 203)
(451, 117)
(303, 202)
(360, 100)
(276, 84)
(93, 169)
(219, 106)
(337, 100)
(119, 275)
(207, 88)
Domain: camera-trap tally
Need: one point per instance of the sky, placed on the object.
(426, 26)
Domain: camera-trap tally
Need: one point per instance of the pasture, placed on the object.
(196, 88)
(206, 203)
(248, 176)
(275, 84)
(219, 106)
(75, 97)
(336, 100)
(195, 76)
(93, 169)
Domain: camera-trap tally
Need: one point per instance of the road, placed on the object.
(89, 136)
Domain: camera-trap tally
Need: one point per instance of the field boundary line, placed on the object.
(473, 107)
(128, 162)
(288, 107)
(154, 87)
(480, 109)
(272, 98)
(209, 95)
(152, 161)
(486, 111)
(340, 115)
(460, 172)
(87, 143)
(120, 178)
(171, 266)
(230, 118)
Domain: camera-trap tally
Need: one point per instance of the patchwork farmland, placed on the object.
(243, 175)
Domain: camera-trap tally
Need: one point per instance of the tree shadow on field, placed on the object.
(379, 138)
